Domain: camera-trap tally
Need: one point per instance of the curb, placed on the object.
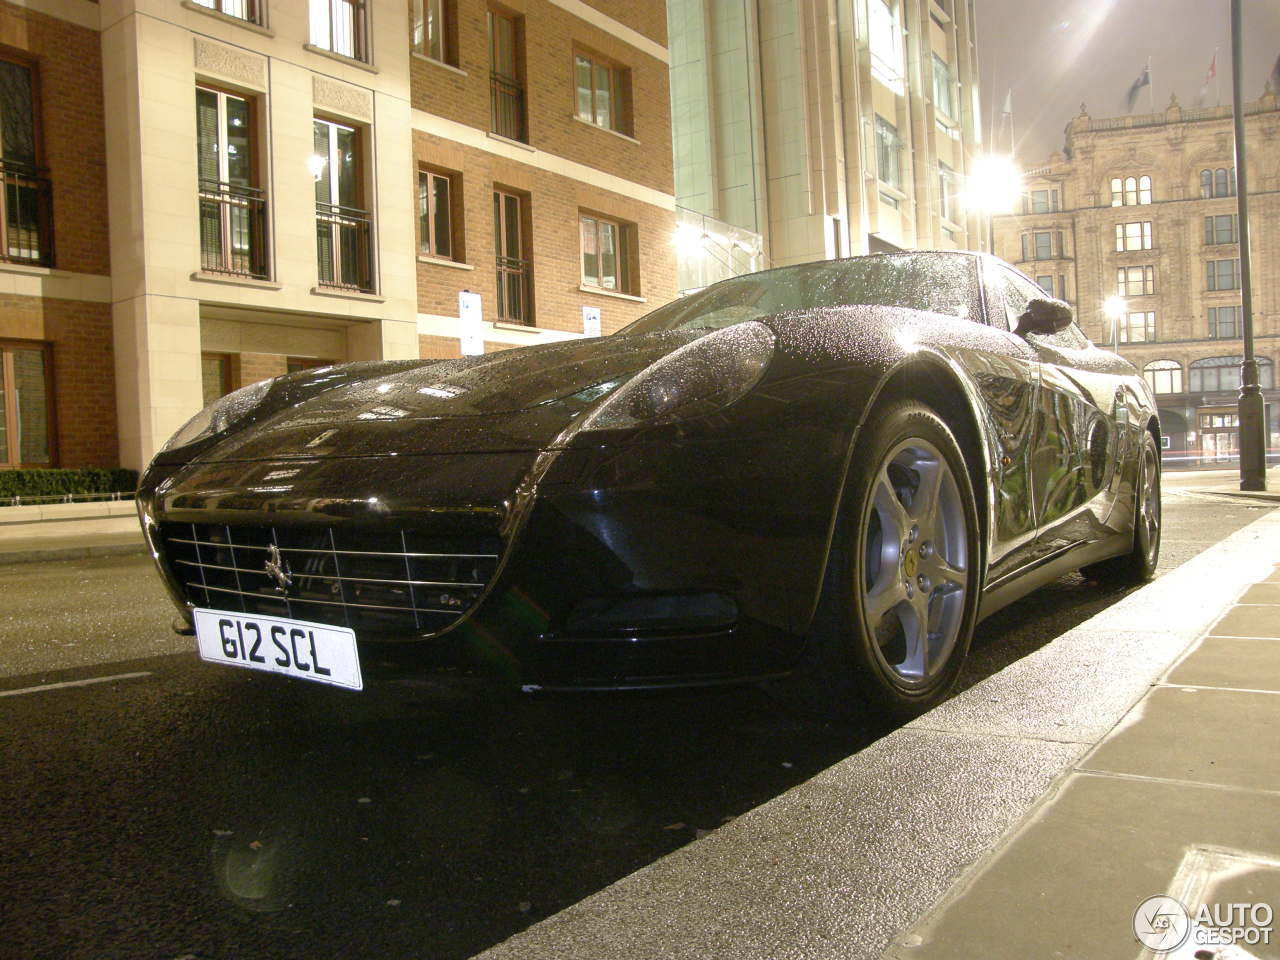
(30, 553)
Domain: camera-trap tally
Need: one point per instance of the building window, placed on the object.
(435, 216)
(1046, 284)
(1222, 374)
(1223, 274)
(233, 238)
(1163, 376)
(512, 259)
(433, 30)
(947, 193)
(606, 253)
(26, 200)
(888, 150)
(1133, 236)
(298, 364)
(1041, 201)
(344, 231)
(340, 26)
(1136, 281)
(1038, 246)
(885, 42)
(1130, 191)
(1138, 327)
(506, 84)
(601, 93)
(1224, 323)
(1220, 228)
(26, 405)
(943, 88)
(240, 9)
(1218, 183)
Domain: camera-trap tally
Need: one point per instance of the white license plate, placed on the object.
(309, 651)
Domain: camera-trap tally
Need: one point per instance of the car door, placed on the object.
(1007, 380)
(1079, 441)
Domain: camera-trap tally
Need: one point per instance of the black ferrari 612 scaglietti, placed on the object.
(844, 464)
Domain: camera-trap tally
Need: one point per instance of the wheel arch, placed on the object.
(938, 382)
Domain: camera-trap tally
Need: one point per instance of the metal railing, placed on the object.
(513, 291)
(507, 107)
(26, 215)
(240, 9)
(344, 247)
(233, 230)
(31, 500)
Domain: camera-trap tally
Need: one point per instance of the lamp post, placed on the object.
(994, 187)
(1252, 409)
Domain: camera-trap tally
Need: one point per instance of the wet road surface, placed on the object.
(197, 812)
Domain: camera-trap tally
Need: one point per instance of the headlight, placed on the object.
(219, 415)
(702, 376)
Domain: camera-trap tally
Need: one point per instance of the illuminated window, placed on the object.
(1133, 236)
(1138, 327)
(1164, 376)
(601, 93)
(1136, 281)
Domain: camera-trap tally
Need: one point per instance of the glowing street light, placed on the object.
(994, 187)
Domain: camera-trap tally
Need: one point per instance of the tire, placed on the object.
(901, 594)
(1139, 564)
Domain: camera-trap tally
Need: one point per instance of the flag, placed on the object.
(1204, 87)
(1144, 80)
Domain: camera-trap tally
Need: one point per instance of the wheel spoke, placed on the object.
(893, 516)
(924, 504)
(884, 596)
(943, 572)
(915, 624)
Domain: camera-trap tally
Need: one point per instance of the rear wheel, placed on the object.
(1139, 564)
(902, 590)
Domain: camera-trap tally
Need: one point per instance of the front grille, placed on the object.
(377, 582)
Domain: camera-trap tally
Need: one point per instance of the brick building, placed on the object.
(1140, 211)
(205, 193)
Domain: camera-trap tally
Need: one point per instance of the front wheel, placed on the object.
(903, 582)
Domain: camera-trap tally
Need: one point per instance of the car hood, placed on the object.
(517, 399)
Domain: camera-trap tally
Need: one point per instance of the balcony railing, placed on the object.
(240, 9)
(344, 247)
(233, 230)
(513, 291)
(26, 216)
(507, 107)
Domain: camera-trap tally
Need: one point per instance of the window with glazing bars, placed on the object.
(888, 153)
(1133, 236)
(1136, 281)
(26, 405)
(248, 10)
(341, 27)
(1223, 274)
(600, 93)
(1220, 228)
(1138, 327)
(514, 298)
(26, 198)
(344, 230)
(435, 215)
(232, 206)
(605, 254)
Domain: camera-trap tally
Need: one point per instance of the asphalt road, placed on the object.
(195, 812)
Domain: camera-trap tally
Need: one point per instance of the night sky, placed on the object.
(1056, 54)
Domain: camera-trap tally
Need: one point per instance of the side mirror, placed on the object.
(1044, 317)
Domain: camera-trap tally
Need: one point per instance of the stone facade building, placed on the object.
(204, 193)
(1142, 209)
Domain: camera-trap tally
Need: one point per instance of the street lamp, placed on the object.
(994, 187)
(1114, 307)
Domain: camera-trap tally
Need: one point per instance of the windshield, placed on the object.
(939, 283)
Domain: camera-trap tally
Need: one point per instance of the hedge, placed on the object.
(49, 483)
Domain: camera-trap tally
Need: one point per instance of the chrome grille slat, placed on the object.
(420, 584)
(345, 553)
(325, 576)
(327, 603)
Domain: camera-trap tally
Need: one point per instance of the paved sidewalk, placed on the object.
(1039, 807)
(1181, 798)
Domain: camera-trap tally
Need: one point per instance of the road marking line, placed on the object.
(74, 683)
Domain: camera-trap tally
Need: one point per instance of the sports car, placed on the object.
(834, 469)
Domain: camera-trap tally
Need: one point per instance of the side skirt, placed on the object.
(1016, 585)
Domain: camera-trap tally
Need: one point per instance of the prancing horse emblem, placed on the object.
(278, 569)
